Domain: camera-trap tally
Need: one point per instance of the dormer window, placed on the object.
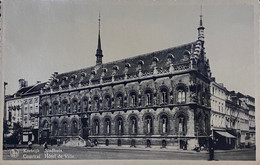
(186, 55)
(65, 78)
(140, 64)
(155, 61)
(115, 69)
(104, 71)
(74, 77)
(55, 81)
(93, 73)
(170, 58)
(127, 66)
(83, 74)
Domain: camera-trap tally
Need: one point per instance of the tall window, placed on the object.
(85, 104)
(133, 99)
(96, 103)
(64, 128)
(74, 127)
(164, 124)
(148, 124)
(181, 95)
(133, 125)
(148, 97)
(74, 106)
(181, 125)
(164, 96)
(119, 100)
(45, 124)
(64, 106)
(45, 109)
(96, 127)
(107, 102)
(119, 126)
(55, 129)
(107, 126)
(55, 107)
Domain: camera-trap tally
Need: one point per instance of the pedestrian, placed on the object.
(30, 144)
(45, 146)
(211, 149)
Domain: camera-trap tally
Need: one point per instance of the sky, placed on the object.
(45, 36)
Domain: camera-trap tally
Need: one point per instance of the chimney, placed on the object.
(22, 83)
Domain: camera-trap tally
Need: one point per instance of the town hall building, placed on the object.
(159, 98)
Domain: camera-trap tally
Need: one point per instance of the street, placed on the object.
(95, 153)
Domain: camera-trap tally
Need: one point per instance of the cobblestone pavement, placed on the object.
(123, 152)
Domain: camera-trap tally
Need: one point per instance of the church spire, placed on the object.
(99, 54)
(201, 28)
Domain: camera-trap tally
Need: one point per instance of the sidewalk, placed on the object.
(143, 148)
(140, 148)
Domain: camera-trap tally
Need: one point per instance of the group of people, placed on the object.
(45, 146)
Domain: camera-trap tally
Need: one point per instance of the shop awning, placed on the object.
(225, 134)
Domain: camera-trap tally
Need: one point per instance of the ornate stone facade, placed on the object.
(160, 98)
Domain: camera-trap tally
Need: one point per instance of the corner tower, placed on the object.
(99, 54)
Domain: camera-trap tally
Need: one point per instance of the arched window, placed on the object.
(55, 128)
(119, 126)
(55, 107)
(164, 124)
(133, 99)
(64, 128)
(74, 105)
(148, 125)
(164, 95)
(181, 95)
(181, 121)
(107, 102)
(85, 104)
(74, 127)
(148, 97)
(45, 124)
(107, 126)
(96, 127)
(133, 125)
(45, 109)
(96, 103)
(64, 106)
(119, 100)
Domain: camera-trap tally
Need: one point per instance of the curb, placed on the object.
(140, 149)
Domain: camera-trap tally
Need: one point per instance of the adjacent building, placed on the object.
(232, 115)
(23, 109)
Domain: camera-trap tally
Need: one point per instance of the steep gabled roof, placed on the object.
(178, 53)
